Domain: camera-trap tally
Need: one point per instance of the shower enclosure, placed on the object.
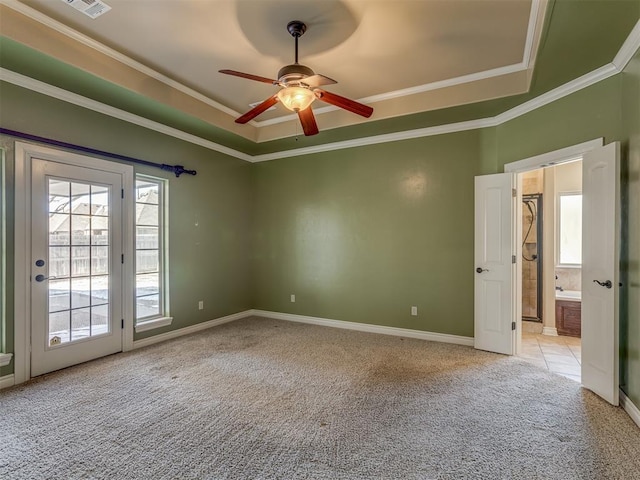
(532, 257)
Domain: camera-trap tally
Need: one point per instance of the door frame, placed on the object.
(24, 152)
(556, 157)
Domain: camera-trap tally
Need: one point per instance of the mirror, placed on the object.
(569, 233)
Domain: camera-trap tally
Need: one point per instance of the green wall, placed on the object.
(363, 234)
(209, 214)
(630, 266)
(360, 234)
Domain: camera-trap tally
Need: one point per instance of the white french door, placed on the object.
(76, 264)
(600, 270)
(495, 269)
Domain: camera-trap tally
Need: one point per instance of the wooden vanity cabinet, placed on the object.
(568, 318)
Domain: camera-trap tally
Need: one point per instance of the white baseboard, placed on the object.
(7, 381)
(365, 327)
(630, 408)
(190, 329)
(551, 331)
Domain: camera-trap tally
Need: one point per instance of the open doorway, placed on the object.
(551, 202)
(498, 266)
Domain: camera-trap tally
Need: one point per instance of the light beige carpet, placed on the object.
(265, 399)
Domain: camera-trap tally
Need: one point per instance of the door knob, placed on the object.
(604, 284)
(42, 278)
(480, 270)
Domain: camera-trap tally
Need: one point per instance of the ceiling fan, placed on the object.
(300, 87)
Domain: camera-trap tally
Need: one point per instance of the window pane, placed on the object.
(80, 264)
(99, 230)
(80, 292)
(59, 228)
(99, 260)
(147, 214)
(147, 237)
(149, 256)
(80, 229)
(59, 196)
(99, 200)
(148, 306)
(80, 199)
(80, 323)
(59, 324)
(147, 192)
(59, 295)
(99, 290)
(147, 261)
(147, 284)
(571, 229)
(99, 319)
(59, 261)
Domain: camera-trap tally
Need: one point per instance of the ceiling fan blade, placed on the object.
(308, 121)
(342, 102)
(317, 80)
(249, 76)
(257, 110)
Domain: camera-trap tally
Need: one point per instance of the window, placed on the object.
(570, 229)
(151, 303)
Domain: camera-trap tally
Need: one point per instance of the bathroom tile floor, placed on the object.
(559, 354)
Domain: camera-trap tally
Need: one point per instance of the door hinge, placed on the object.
(122, 193)
(514, 192)
(122, 258)
(513, 259)
(513, 325)
(122, 324)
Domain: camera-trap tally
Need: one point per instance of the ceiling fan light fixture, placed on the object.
(296, 99)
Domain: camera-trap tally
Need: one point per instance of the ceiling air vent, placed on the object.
(91, 8)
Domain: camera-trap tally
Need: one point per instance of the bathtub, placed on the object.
(572, 295)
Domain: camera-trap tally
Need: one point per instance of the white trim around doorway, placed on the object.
(557, 157)
(24, 152)
(548, 159)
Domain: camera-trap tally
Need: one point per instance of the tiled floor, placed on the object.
(560, 354)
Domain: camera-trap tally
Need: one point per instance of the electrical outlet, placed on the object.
(293, 298)
(201, 305)
(414, 311)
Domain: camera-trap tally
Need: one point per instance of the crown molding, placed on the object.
(628, 49)
(551, 96)
(538, 8)
(535, 13)
(624, 56)
(90, 104)
(377, 139)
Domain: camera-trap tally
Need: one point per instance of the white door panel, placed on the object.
(600, 257)
(76, 269)
(494, 276)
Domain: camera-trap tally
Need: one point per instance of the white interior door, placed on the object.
(600, 270)
(495, 268)
(76, 266)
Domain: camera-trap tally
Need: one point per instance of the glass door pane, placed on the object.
(79, 240)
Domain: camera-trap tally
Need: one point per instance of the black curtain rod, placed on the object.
(177, 169)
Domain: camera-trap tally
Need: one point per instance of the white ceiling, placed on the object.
(400, 56)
